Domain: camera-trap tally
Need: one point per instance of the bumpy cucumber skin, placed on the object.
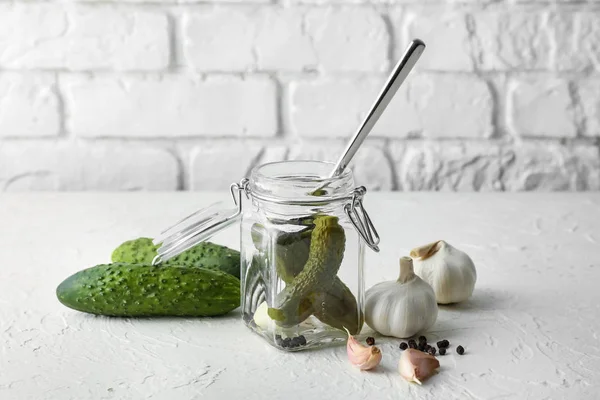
(337, 306)
(137, 251)
(327, 246)
(204, 255)
(291, 250)
(135, 290)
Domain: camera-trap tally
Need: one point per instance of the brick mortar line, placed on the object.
(173, 40)
(385, 9)
(391, 32)
(274, 142)
(282, 130)
(391, 165)
(577, 108)
(61, 107)
(469, 7)
(299, 75)
(490, 4)
(182, 169)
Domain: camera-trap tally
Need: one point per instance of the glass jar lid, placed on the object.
(199, 226)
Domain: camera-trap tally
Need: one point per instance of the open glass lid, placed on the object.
(199, 226)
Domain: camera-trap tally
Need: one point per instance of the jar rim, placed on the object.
(297, 179)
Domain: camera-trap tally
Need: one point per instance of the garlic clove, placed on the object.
(261, 317)
(363, 357)
(416, 366)
(426, 251)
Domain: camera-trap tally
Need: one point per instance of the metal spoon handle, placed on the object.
(398, 75)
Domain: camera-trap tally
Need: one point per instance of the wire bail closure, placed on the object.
(361, 220)
(239, 187)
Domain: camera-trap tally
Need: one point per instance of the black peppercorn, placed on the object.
(286, 342)
(431, 351)
(301, 340)
(421, 347)
(442, 351)
(403, 346)
(427, 348)
(443, 343)
(412, 344)
(422, 339)
(278, 340)
(370, 341)
(295, 342)
(460, 350)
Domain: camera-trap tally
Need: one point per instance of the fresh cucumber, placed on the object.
(204, 255)
(137, 290)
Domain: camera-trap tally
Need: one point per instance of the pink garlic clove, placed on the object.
(363, 357)
(416, 366)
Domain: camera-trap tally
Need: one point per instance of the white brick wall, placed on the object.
(29, 105)
(170, 106)
(81, 38)
(59, 165)
(191, 94)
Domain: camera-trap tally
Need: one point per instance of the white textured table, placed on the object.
(531, 329)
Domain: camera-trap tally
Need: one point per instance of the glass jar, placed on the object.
(302, 248)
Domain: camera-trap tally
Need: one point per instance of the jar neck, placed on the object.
(290, 211)
(299, 184)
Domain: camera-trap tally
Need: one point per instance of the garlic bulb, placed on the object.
(401, 308)
(450, 272)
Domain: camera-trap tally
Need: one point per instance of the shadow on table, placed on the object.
(484, 300)
(234, 315)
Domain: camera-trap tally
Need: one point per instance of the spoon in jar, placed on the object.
(399, 73)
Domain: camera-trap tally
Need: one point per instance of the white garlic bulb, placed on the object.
(401, 308)
(450, 272)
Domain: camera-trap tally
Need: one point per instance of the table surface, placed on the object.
(531, 329)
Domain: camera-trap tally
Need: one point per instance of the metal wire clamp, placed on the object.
(361, 220)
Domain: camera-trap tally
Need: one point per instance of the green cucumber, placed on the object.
(137, 251)
(290, 249)
(337, 306)
(324, 260)
(204, 255)
(136, 290)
